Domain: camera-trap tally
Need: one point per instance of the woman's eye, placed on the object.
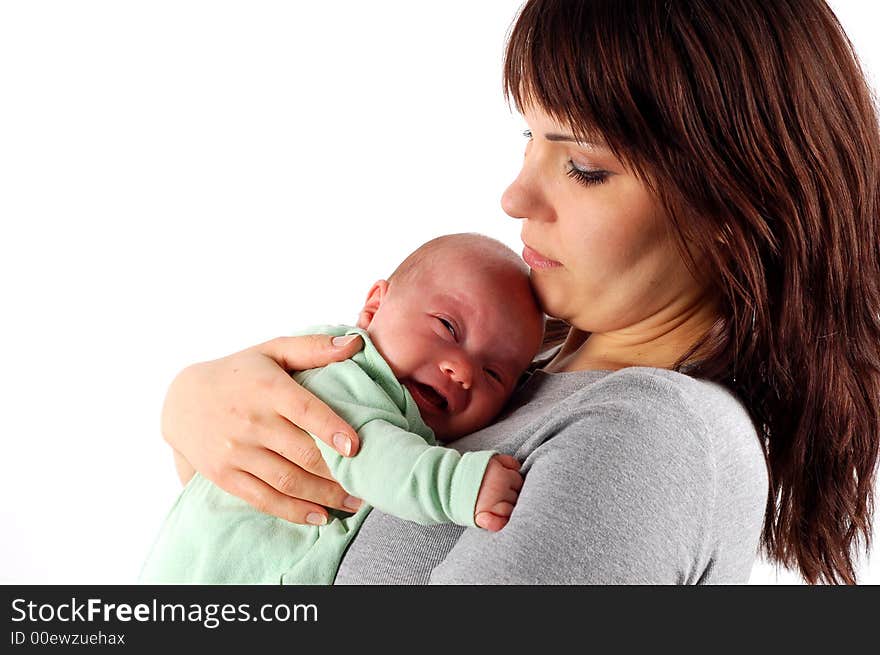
(528, 135)
(587, 177)
(449, 326)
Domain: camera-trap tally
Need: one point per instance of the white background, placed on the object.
(179, 180)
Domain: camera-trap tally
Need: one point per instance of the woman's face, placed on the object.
(595, 238)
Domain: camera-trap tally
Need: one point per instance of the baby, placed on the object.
(447, 337)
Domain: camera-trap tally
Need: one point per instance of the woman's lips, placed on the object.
(536, 260)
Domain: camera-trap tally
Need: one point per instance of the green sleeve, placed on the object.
(398, 473)
(396, 470)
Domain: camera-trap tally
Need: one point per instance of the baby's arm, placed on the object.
(397, 470)
(399, 473)
(498, 493)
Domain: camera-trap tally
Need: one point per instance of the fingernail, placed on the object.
(342, 443)
(352, 503)
(316, 518)
(340, 342)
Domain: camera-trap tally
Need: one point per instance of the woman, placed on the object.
(700, 202)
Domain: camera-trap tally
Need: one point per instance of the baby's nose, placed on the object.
(459, 370)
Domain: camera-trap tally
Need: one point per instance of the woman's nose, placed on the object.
(524, 198)
(512, 201)
(459, 369)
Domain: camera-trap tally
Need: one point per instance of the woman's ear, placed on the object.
(371, 305)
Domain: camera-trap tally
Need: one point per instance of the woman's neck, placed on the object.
(657, 341)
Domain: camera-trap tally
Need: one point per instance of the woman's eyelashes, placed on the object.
(584, 176)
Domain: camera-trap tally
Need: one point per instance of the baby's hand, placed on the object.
(498, 493)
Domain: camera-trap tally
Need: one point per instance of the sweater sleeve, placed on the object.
(622, 493)
(395, 470)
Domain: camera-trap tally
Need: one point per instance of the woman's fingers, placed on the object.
(291, 480)
(235, 420)
(305, 410)
(265, 499)
(310, 351)
(298, 446)
(298, 405)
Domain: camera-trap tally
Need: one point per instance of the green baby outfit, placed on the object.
(212, 537)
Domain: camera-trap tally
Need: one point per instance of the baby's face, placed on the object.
(458, 335)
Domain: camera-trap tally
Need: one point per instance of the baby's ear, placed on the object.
(371, 305)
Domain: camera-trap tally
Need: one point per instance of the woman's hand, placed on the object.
(235, 421)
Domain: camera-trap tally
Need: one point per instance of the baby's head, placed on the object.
(458, 324)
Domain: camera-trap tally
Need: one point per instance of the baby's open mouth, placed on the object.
(431, 396)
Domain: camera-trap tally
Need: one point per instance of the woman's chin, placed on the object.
(551, 299)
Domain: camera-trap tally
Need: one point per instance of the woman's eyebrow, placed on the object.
(596, 143)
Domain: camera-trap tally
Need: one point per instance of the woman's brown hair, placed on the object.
(753, 124)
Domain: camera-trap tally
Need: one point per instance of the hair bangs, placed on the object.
(583, 78)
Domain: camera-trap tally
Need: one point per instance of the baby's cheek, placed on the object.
(489, 407)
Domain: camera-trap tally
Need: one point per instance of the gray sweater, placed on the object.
(641, 475)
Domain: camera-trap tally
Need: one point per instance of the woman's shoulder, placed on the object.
(655, 458)
(646, 384)
(657, 414)
(657, 395)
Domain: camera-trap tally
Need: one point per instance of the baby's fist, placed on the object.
(498, 493)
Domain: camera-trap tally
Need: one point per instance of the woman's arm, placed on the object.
(235, 420)
(622, 494)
